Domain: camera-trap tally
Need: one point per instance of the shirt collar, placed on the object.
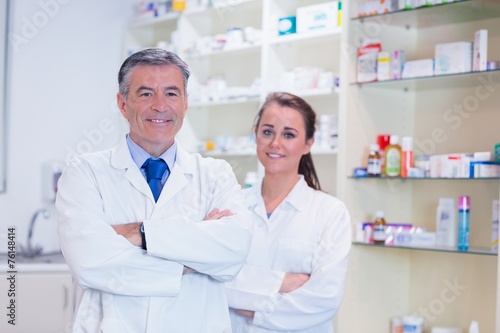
(139, 155)
(297, 197)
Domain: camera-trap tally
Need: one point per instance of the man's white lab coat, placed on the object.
(127, 289)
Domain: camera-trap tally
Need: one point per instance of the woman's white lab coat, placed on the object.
(126, 289)
(310, 233)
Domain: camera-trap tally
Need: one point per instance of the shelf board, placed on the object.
(233, 50)
(314, 152)
(235, 101)
(320, 92)
(315, 35)
(243, 153)
(421, 179)
(220, 7)
(152, 21)
(472, 250)
(446, 13)
(323, 151)
(451, 81)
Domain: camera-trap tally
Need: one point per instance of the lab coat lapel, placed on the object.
(254, 200)
(180, 176)
(121, 159)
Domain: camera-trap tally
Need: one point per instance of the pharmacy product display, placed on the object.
(241, 50)
(415, 78)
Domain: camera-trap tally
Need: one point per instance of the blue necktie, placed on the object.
(154, 172)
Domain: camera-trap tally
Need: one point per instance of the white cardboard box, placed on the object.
(418, 68)
(480, 60)
(320, 16)
(451, 58)
(383, 66)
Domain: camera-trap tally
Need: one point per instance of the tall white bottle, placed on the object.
(446, 223)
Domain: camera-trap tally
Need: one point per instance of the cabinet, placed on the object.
(248, 71)
(445, 114)
(44, 302)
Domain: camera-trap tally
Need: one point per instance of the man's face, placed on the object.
(155, 106)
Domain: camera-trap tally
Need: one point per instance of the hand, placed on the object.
(216, 214)
(246, 313)
(293, 281)
(131, 231)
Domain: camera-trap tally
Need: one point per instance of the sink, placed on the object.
(43, 258)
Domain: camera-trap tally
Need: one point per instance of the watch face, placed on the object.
(142, 228)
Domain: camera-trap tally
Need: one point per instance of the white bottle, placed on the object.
(446, 223)
(250, 179)
(474, 327)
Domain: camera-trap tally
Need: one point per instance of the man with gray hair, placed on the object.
(151, 232)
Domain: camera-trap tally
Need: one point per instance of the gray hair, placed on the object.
(149, 57)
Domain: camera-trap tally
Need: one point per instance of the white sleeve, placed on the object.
(254, 288)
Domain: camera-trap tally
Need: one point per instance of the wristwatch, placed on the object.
(143, 237)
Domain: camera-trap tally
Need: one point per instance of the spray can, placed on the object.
(463, 222)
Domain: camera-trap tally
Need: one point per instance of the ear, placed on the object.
(307, 148)
(120, 100)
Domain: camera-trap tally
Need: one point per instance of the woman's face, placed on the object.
(281, 139)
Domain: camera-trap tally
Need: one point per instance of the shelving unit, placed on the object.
(265, 59)
(444, 114)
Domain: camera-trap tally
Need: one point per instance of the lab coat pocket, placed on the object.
(294, 256)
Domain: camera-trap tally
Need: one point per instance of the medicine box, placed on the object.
(367, 60)
(480, 59)
(315, 17)
(398, 58)
(383, 66)
(287, 25)
(418, 68)
(415, 239)
(451, 58)
(494, 225)
(484, 169)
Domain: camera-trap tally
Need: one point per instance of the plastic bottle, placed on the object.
(397, 325)
(393, 158)
(446, 230)
(463, 222)
(406, 155)
(379, 226)
(178, 5)
(374, 161)
(474, 327)
(250, 179)
(383, 141)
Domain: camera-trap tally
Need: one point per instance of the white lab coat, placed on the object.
(309, 232)
(126, 289)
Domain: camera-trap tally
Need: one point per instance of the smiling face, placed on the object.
(155, 106)
(281, 139)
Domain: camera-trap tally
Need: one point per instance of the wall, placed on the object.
(65, 55)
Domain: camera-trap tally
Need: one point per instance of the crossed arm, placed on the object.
(131, 231)
(291, 282)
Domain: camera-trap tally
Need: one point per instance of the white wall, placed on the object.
(65, 56)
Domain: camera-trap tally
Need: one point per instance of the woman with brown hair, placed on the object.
(293, 278)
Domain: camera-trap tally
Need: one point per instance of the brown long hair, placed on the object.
(306, 165)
